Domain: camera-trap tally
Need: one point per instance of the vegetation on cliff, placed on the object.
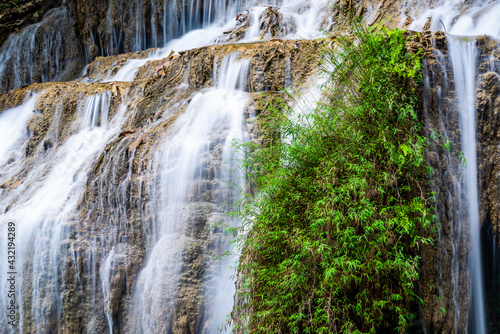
(332, 235)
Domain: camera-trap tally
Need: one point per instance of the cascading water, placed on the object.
(50, 50)
(152, 23)
(121, 215)
(13, 124)
(41, 207)
(196, 148)
(306, 26)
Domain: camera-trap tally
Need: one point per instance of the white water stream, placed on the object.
(213, 117)
(464, 56)
(14, 136)
(44, 203)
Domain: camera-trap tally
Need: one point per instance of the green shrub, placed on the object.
(332, 235)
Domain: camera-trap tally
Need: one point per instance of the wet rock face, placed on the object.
(16, 15)
(106, 27)
(45, 51)
(488, 121)
(274, 65)
(488, 129)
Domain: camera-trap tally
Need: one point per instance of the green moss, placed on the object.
(333, 232)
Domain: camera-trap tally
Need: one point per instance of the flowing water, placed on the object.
(306, 22)
(100, 222)
(464, 56)
(200, 143)
(153, 23)
(14, 135)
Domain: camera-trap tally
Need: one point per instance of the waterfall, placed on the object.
(96, 111)
(44, 204)
(306, 23)
(463, 54)
(13, 125)
(50, 50)
(154, 23)
(462, 23)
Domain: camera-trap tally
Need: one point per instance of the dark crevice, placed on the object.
(491, 273)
